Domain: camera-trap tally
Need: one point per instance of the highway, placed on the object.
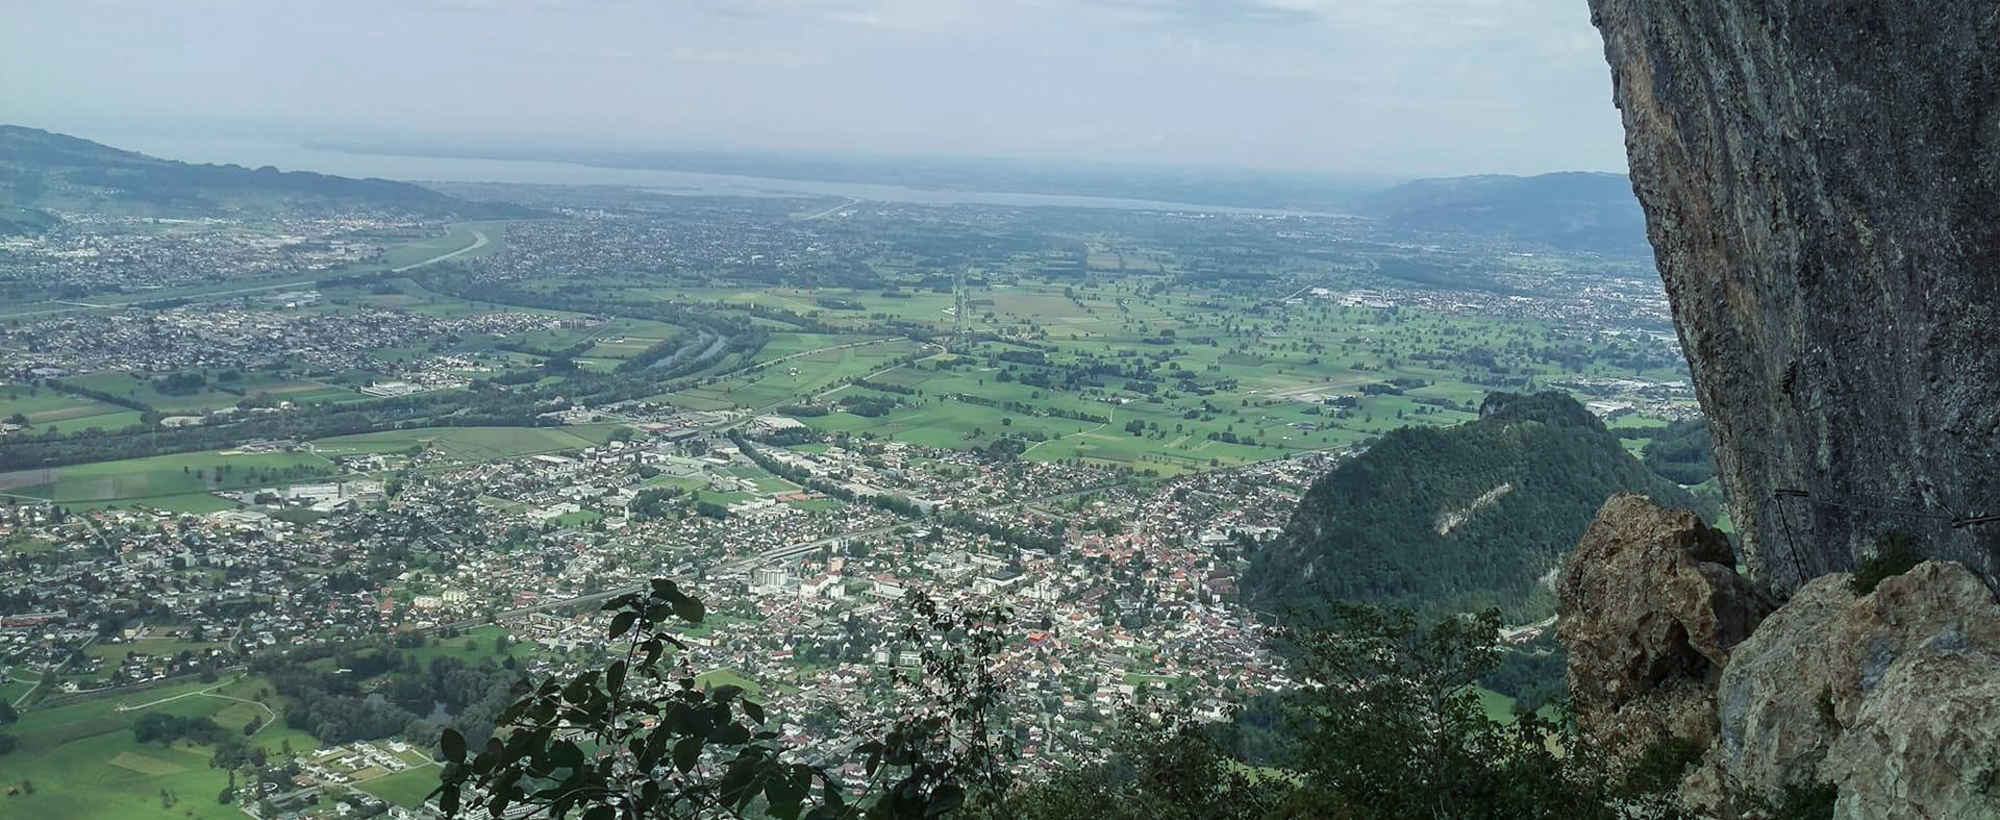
(478, 241)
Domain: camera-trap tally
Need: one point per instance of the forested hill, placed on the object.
(1572, 210)
(1455, 519)
(41, 171)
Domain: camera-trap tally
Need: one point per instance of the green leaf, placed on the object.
(665, 588)
(732, 735)
(737, 786)
(945, 798)
(726, 693)
(453, 744)
(579, 689)
(614, 678)
(690, 610)
(687, 752)
(780, 792)
(656, 744)
(755, 711)
(622, 622)
(787, 789)
(601, 813)
(449, 800)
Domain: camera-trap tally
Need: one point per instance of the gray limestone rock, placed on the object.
(1821, 183)
(1893, 697)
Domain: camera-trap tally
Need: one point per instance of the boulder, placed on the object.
(1893, 698)
(1650, 608)
(1774, 702)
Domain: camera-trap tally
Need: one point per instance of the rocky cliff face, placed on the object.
(1821, 183)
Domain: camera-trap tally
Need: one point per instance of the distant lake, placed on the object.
(290, 157)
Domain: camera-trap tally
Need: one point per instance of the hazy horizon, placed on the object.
(1433, 88)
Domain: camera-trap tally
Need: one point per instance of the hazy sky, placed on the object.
(1394, 86)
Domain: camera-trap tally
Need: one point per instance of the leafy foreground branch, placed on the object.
(1388, 728)
(638, 739)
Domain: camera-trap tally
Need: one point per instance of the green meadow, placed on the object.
(83, 761)
(407, 788)
(49, 410)
(182, 482)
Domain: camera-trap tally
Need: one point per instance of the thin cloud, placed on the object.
(1411, 86)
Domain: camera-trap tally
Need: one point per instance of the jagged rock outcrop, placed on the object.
(1650, 608)
(1821, 184)
(1893, 697)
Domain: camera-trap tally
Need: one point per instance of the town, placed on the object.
(1134, 604)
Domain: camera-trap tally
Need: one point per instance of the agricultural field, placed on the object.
(26, 544)
(19, 682)
(146, 391)
(84, 761)
(158, 647)
(1143, 372)
(471, 646)
(728, 677)
(47, 410)
(800, 368)
(296, 391)
(182, 482)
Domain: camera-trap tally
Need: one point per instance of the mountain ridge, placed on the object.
(1570, 210)
(45, 171)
